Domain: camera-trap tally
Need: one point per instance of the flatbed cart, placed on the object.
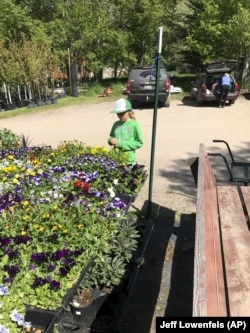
(238, 171)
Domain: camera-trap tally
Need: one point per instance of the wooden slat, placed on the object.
(199, 293)
(209, 293)
(245, 190)
(236, 249)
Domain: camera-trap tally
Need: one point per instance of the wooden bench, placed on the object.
(222, 246)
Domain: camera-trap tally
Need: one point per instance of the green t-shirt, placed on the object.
(129, 137)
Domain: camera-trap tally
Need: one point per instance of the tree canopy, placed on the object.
(119, 33)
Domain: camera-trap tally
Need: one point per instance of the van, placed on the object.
(206, 87)
(141, 85)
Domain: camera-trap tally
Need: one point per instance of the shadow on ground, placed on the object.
(163, 284)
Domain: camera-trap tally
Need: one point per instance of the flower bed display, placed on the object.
(59, 209)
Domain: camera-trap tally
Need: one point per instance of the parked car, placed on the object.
(206, 87)
(141, 85)
(175, 90)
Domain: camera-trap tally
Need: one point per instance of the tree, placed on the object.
(121, 33)
(220, 30)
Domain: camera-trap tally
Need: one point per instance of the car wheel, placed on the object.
(192, 95)
(231, 102)
(167, 102)
(198, 101)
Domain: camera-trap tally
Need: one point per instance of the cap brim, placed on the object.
(118, 111)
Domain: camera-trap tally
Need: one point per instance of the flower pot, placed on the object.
(20, 104)
(40, 102)
(84, 315)
(31, 104)
(9, 106)
(53, 100)
(47, 101)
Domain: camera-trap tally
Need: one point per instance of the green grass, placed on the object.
(183, 81)
(62, 102)
(89, 93)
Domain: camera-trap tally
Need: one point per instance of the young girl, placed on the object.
(126, 132)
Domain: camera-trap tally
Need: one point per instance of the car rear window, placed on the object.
(147, 73)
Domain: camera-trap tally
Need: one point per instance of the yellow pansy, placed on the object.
(30, 172)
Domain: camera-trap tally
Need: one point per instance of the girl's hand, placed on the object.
(113, 141)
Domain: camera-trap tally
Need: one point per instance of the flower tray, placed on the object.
(127, 199)
(39, 318)
(45, 319)
(135, 196)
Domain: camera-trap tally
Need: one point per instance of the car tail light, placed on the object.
(128, 87)
(203, 88)
(167, 85)
(236, 86)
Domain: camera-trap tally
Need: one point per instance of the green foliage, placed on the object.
(9, 139)
(183, 81)
(112, 267)
(119, 34)
(215, 27)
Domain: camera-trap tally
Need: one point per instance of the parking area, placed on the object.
(180, 129)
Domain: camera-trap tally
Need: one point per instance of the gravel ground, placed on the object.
(162, 285)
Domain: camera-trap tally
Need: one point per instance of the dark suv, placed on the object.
(206, 87)
(141, 85)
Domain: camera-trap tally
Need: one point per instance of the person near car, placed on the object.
(215, 86)
(225, 88)
(126, 134)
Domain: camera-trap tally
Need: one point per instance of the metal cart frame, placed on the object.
(238, 171)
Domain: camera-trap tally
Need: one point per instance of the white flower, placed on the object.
(111, 192)
(115, 181)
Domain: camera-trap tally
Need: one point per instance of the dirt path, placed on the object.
(163, 285)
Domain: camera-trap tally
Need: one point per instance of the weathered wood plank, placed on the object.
(236, 246)
(245, 190)
(209, 292)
